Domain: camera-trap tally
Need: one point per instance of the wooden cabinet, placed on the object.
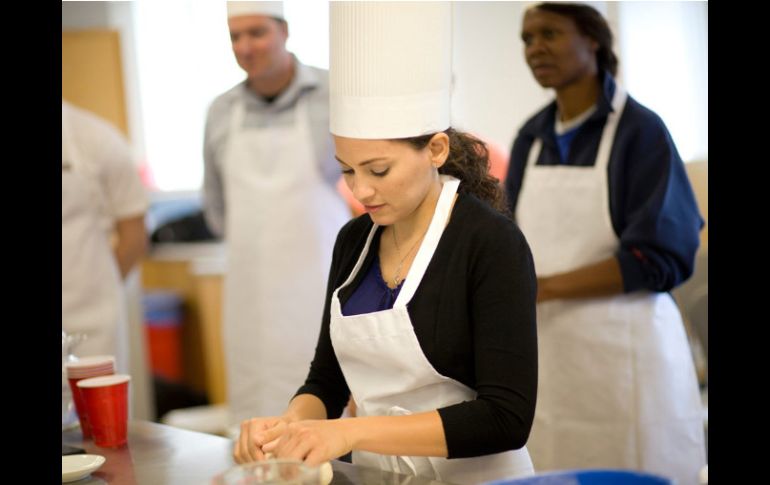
(208, 292)
(92, 73)
(198, 281)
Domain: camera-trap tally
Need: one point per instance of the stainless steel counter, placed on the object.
(162, 455)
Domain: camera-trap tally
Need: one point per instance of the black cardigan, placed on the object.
(474, 317)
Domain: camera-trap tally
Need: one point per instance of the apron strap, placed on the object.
(534, 152)
(605, 145)
(611, 127)
(429, 244)
(237, 116)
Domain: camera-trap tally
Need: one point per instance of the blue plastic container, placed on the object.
(587, 477)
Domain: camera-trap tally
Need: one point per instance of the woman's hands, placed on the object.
(316, 441)
(311, 441)
(254, 435)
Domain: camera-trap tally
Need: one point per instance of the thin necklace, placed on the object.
(397, 277)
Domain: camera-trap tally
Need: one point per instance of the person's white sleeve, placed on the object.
(124, 194)
(213, 190)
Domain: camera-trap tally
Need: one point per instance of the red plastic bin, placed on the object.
(163, 331)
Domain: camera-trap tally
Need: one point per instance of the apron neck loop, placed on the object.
(424, 254)
(610, 128)
(429, 244)
(608, 134)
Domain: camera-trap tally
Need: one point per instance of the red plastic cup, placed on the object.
(83, 369)
(106, 400)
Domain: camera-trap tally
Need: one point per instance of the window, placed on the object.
(184, 61)
(663, 50)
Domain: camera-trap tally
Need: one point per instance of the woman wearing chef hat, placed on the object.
(429, 321)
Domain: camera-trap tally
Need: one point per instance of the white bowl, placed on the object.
(75, 467)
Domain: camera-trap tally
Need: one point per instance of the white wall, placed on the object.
(494, 91)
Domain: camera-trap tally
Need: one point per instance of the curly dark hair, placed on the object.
(468, 161)
(591, 23)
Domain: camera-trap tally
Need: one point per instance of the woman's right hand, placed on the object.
(248, 448)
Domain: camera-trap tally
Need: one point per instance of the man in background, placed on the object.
(103, 232)
(269, 190)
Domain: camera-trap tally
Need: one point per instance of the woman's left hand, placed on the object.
(542, 290)
(312, 441)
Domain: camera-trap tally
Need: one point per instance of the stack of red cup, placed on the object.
(84, 368)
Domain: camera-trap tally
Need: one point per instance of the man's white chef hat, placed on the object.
(270, 9)
(390, 68)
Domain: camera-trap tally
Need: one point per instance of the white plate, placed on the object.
(75, 467)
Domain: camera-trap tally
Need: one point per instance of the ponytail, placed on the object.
(468, 161)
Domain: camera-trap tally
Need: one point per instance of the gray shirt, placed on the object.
(308, 81)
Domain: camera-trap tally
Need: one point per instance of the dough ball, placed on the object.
(326, 473)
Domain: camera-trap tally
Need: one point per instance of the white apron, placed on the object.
(91, 295)
(388, 374)
(282, 221)
(617, 386)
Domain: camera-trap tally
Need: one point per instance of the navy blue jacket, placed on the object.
(652, 205)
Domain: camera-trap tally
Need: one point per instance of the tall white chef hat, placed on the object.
(390, 68)
(271, 9)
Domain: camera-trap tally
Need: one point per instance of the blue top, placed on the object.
(373, 294)
(565, 141)
(652, 206)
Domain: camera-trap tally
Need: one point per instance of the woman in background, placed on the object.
(600, 192)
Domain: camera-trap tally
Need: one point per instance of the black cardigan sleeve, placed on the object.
(501, 288)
